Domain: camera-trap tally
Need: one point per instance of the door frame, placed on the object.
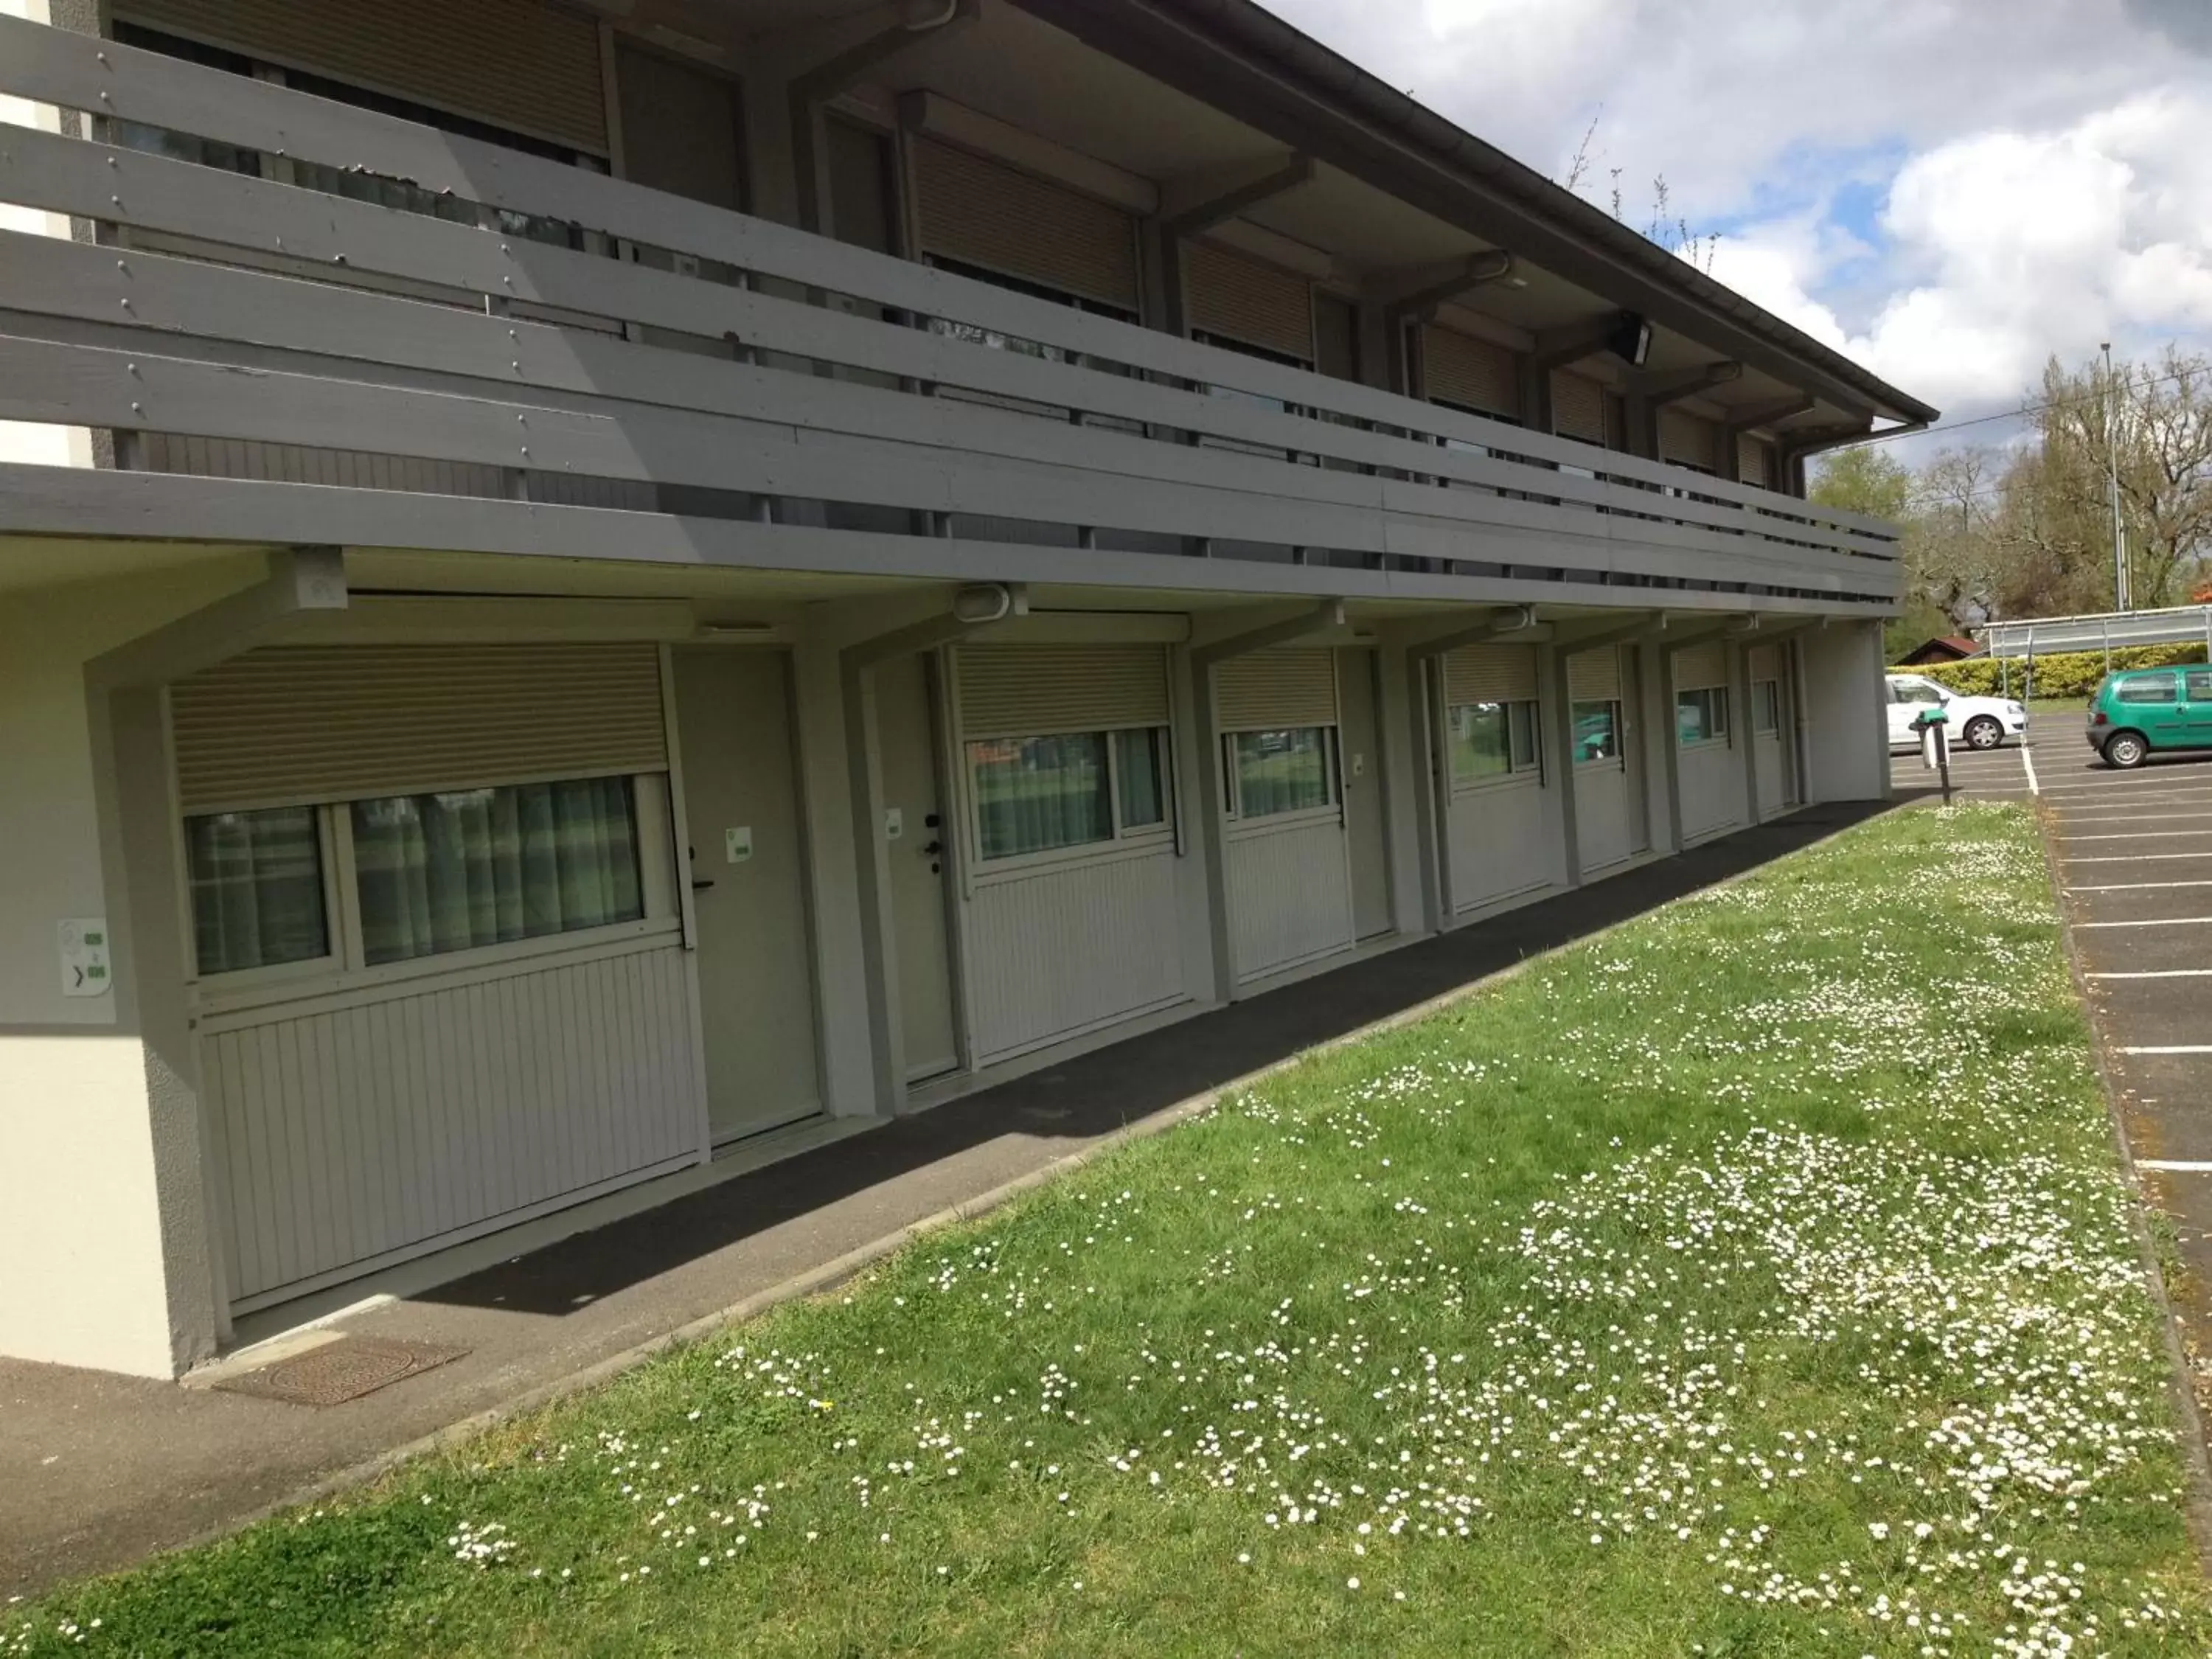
(952, 834)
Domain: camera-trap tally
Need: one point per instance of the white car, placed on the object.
(1973, 722)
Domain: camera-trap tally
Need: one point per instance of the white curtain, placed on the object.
(256, 882)
(471, 868)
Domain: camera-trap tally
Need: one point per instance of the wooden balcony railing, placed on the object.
(531, 329)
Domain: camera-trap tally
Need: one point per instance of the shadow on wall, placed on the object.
(1100, 1092)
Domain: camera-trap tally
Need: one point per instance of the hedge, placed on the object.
(2061, 674)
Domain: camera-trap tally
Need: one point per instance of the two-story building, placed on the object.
(593, 594)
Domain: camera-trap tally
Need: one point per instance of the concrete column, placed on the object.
(1663, 790)
(1403, 738)
(104, 1230)
(1671, 760)
(852, 1085)
(1739, 726)
(1560, 762)
(1846, 737)
(1432, 784)
(1207, 828)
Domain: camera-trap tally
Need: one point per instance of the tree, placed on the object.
(2151, 422)
(1871, 479)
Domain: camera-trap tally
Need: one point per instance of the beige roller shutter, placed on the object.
(1577, 407)
(1700, 665)
(1491, 674)
(1765, 662)
(985, 213)
(1685, 439)
(1275, 690)
(1461, 369)
(1595, 676)
(1242, 299)
(1754, 461)
(1024, 690)
(347, 722)
(513, 64)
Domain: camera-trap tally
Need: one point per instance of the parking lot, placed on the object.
(2134, 853)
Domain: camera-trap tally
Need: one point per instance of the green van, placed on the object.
(2138, 711)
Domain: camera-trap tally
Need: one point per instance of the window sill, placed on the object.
(215, 1001)
(1021, 864)
(1531, 779)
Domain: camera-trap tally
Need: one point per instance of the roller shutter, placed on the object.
(311, 723)
(1699, 665)
(1026, 690)
(1754, 461)
(1491, 674)
(1237, 298)
(1765, 662)
(514, 64)
(1577, 407)
(1685, 439)
(1274, 690)
(1595, 676)
(1458, 368)
(985, 213)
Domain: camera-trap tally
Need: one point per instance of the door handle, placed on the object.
(702, 886)
(933, 849)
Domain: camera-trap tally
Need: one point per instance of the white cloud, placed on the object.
(2043, 168)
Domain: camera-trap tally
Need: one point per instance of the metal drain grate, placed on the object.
(341, 1370)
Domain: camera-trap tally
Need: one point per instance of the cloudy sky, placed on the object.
(1948, 190)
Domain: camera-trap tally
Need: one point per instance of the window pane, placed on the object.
(1144, 795)
(1281, 771)
(1597, 731)
(1766, 706)
(2159, 690)
(2200, 686)
(256, 882)
(1701, 716)
(1522, 720)
(1481, 740)
(471, 868)
(1033, 794)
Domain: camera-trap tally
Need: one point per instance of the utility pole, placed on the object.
(2121, 598)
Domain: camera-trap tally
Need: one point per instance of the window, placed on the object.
(1276, 772)
(2199, 686)
(257, 889)
(450, 870)
(1701, 716)
(1040, 794)
(1766, 706)
(1597, 731)
(465, 868)
(1492, 739)
(2160, 689)
(1914, 691)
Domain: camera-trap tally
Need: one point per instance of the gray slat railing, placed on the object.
(256, 316)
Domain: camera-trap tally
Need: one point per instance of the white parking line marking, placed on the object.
(2137, 886)
(2155, 921)
(2028, 765)
(2136, 858)
(2122, 815)
(2156, 973)
(2173, 1166)
(2139, 834)
(2172, 1048)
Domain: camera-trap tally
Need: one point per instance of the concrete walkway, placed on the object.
(97, 1470)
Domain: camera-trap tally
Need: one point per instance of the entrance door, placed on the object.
(907, 736)
(748, 881)
(1361, 753)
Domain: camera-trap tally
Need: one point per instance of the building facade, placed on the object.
(592, 596)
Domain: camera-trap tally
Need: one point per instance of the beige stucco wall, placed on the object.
(101, 1261)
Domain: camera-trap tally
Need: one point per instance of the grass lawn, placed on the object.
(1755, 1280)
(2057, 706)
